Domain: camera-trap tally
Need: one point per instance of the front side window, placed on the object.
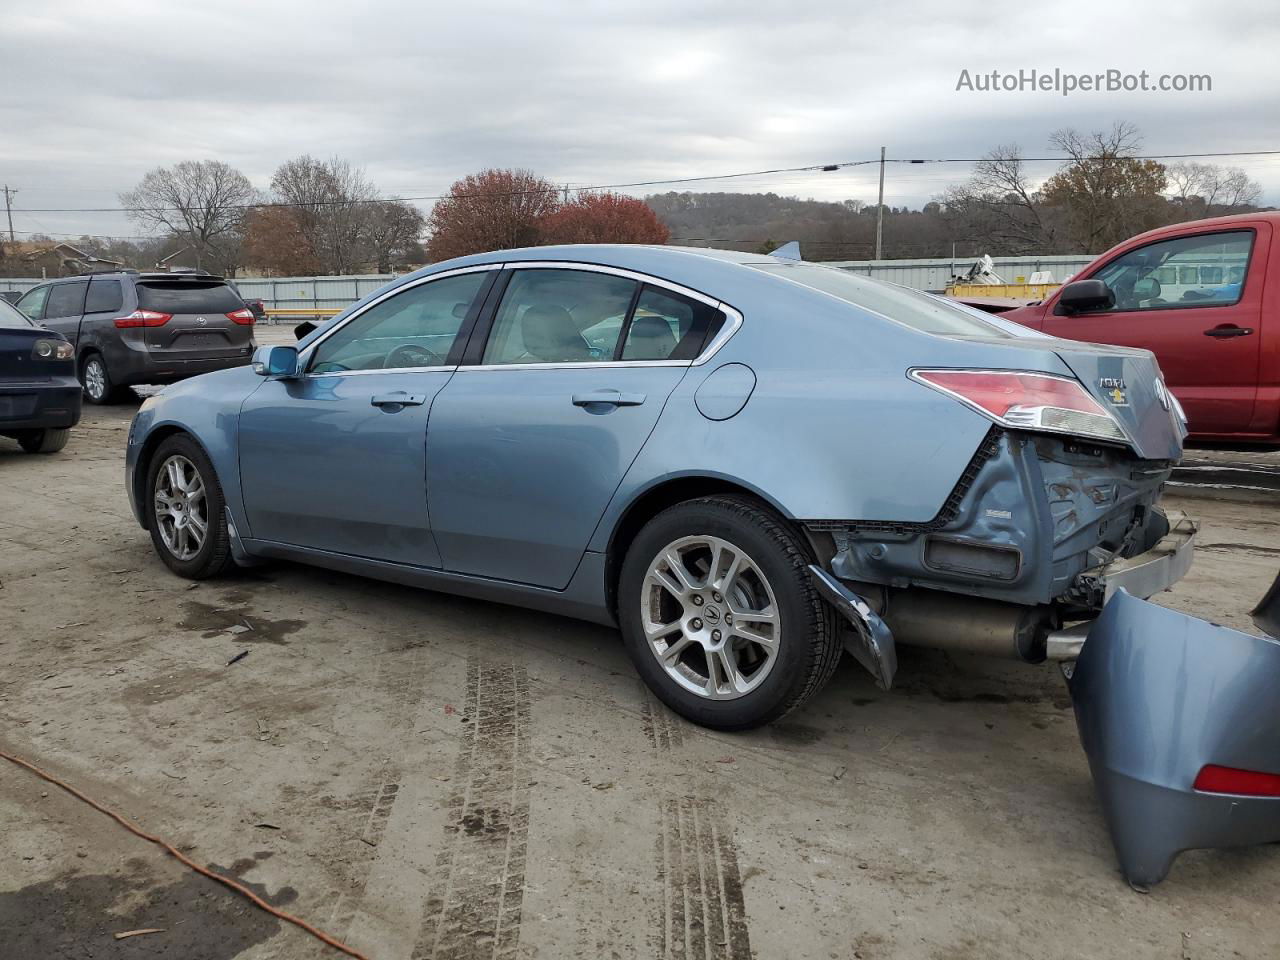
(32, 303)
(104, 296)
(1204, 270)
(412, 329)
(65, 300)
(559, 316)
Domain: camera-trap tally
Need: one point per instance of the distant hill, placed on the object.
(826, 230)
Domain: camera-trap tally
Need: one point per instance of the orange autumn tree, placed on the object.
(603, 218)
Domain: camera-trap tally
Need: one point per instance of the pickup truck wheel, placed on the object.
(720, 617)
(187, 512)
(49, 440)
(97, 384)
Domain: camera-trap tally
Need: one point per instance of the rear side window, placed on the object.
(65, 300)
(105, 296)
(666, 326)
(559, 316)
(188, 297)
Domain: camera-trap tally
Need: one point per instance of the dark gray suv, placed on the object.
(129, 327)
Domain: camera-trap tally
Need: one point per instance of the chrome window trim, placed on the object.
(304, 358)
(365, 373)
(733, 319)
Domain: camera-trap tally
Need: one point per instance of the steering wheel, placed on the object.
(412, 355)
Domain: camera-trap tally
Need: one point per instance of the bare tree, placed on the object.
(1000, 205)
(1207, 190)
(330, 197)
(393, 234)
(202, 201)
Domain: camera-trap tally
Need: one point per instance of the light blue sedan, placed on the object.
(747, 464)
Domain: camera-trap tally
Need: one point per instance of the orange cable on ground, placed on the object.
(182, 858)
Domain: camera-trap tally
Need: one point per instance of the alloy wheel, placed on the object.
(95, 379)
(181, 508)
(710, 618)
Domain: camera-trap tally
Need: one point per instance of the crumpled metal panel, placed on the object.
(1158, 696)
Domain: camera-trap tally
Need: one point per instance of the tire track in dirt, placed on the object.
(703, 914)
(474, 910)
(402, 678)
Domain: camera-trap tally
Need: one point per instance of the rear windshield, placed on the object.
(187, 297)
(11, 316)
(913, 308)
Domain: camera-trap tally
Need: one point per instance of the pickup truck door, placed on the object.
(1195, 301)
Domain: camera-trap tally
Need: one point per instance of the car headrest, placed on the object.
(550, 334)
(650, 338)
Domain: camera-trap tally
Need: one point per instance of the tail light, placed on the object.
(1026, 401)
(243, 316)
(1248, 783)
(143, 318)
(52, 350)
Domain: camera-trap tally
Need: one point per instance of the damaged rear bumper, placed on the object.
(1159, 696)
(1156, 569)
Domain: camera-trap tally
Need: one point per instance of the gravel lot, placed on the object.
(429, 776)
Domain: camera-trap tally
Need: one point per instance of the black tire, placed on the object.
(100, 389)
(808, 645)
(48, 440)
(213, 557)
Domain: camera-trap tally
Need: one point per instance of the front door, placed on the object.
(529, 442)
(335, 459)
(65, 307)
(1196, 304)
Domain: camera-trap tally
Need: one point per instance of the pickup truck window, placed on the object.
(1204, 270)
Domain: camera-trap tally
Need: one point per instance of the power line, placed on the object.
(810, 168)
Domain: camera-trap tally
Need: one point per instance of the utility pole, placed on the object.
(8, 196)
(880, 208)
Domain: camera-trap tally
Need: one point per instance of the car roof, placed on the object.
(1209, 223)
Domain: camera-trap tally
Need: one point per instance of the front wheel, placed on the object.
(187, 516)
(720, 617)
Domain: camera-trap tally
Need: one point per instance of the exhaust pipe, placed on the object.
(947, 621)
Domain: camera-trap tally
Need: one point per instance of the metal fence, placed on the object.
(326, 294)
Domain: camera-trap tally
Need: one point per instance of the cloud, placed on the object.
(419, 94)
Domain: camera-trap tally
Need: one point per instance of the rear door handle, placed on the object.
(1228, 330)
(614, 398)
(399, 400)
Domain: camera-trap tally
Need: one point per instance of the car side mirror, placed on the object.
(1085, 296)
(278, 362)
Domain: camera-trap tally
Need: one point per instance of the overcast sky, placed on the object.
(92, 95)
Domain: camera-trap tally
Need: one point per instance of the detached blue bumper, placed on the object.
(1158, 697)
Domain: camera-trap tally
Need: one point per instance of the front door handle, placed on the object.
(1224, 330)
(399, 400)
(613, 398)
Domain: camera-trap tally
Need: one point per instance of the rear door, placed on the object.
(1195, 301)
(65, 307)
(32, 303)
(207, 320)
(532, 435)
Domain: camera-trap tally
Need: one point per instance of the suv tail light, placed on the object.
(243, 316)
(1026, 401)
(143, 318)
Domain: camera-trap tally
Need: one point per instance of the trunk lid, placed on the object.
(198, 327)
(17, 363)
(1128, 384)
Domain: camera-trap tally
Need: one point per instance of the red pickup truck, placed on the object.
(1204, 297)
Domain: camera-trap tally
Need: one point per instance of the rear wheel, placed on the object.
(720, 617)
(49, 440)
(187, 518)
(96, 380)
